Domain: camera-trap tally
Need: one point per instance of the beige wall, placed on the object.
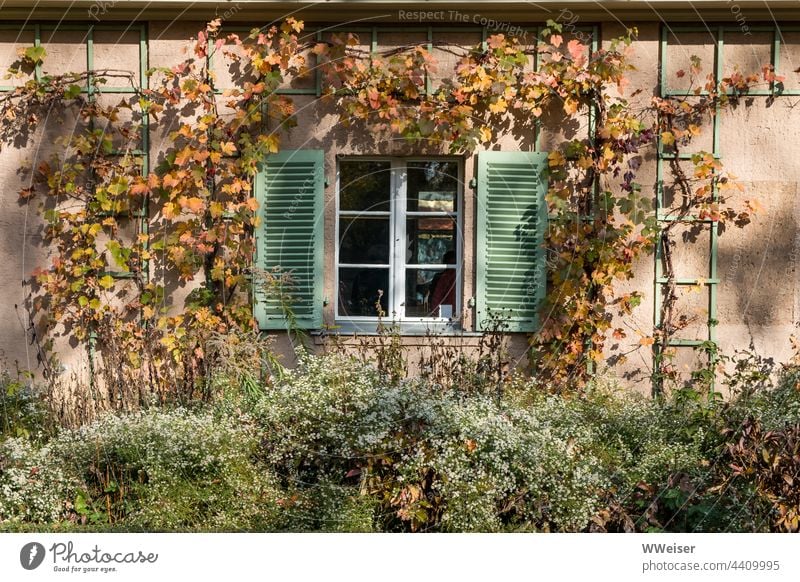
(757, 297)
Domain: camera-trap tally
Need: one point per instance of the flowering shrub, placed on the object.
(155, 470)
(442, 460)
(335, 445)
(34, 487)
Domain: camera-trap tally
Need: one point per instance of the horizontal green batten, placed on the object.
(689, 281)
(686, 219)
(679, 343)
(85, 27)
(684, 156)
(122, 275)
(138, 214)
(680, 93)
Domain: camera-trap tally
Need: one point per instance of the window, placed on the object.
(399, 243)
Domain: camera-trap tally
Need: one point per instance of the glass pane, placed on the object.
(431, 293)
(359, 290)
(433, 186)
(364, 240)
(364, 186)
(431, 241)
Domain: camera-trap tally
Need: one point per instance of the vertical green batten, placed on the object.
(90, 62)
(90, 98)
(144, 83)
(776, 59)
(37, 41)
(537, 123)
(714, 234)
(593, 118)
(428, 82)
(318, 69)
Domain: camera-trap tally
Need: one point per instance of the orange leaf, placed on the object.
(576, 49)
(194, 204)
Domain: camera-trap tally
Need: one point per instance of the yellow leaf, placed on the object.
(500, 106)
(106, 282)
(570, 106)
(170, 210)
(216, 209)
(486, 134)
(555, 159)
(667, 138)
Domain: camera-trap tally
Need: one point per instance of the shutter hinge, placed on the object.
(471, 302)
(473, 183)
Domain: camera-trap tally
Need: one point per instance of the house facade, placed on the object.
(380, 230)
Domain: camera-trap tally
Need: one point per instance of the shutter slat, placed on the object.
(512, 218)
(290, 189)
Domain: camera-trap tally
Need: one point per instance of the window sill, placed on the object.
(409, 329)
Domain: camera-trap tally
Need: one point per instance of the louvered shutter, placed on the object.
(290, 192)
(512, 219)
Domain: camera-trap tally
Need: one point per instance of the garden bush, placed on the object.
(153, 470)
(337, 445)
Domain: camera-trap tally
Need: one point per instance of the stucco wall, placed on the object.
(757, 296)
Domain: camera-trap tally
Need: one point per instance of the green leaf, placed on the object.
(121, 255)
(72, 91)
(35, 54)
(106, 282)
(118, 186)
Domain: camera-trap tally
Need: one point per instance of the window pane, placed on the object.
(359, 290)
(431, 241)
(364, 186)
(364, 240)
(431, 293)
(433, 186)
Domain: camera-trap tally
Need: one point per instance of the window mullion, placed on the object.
(399, 205)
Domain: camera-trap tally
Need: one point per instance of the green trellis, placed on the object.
(711, 280)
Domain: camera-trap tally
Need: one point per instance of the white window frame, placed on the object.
(398, 215)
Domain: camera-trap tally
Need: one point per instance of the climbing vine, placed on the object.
(600, 220)
(106, 285)
(200, 194)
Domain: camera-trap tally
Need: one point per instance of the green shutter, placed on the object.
(512, 219)
(290, 192)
